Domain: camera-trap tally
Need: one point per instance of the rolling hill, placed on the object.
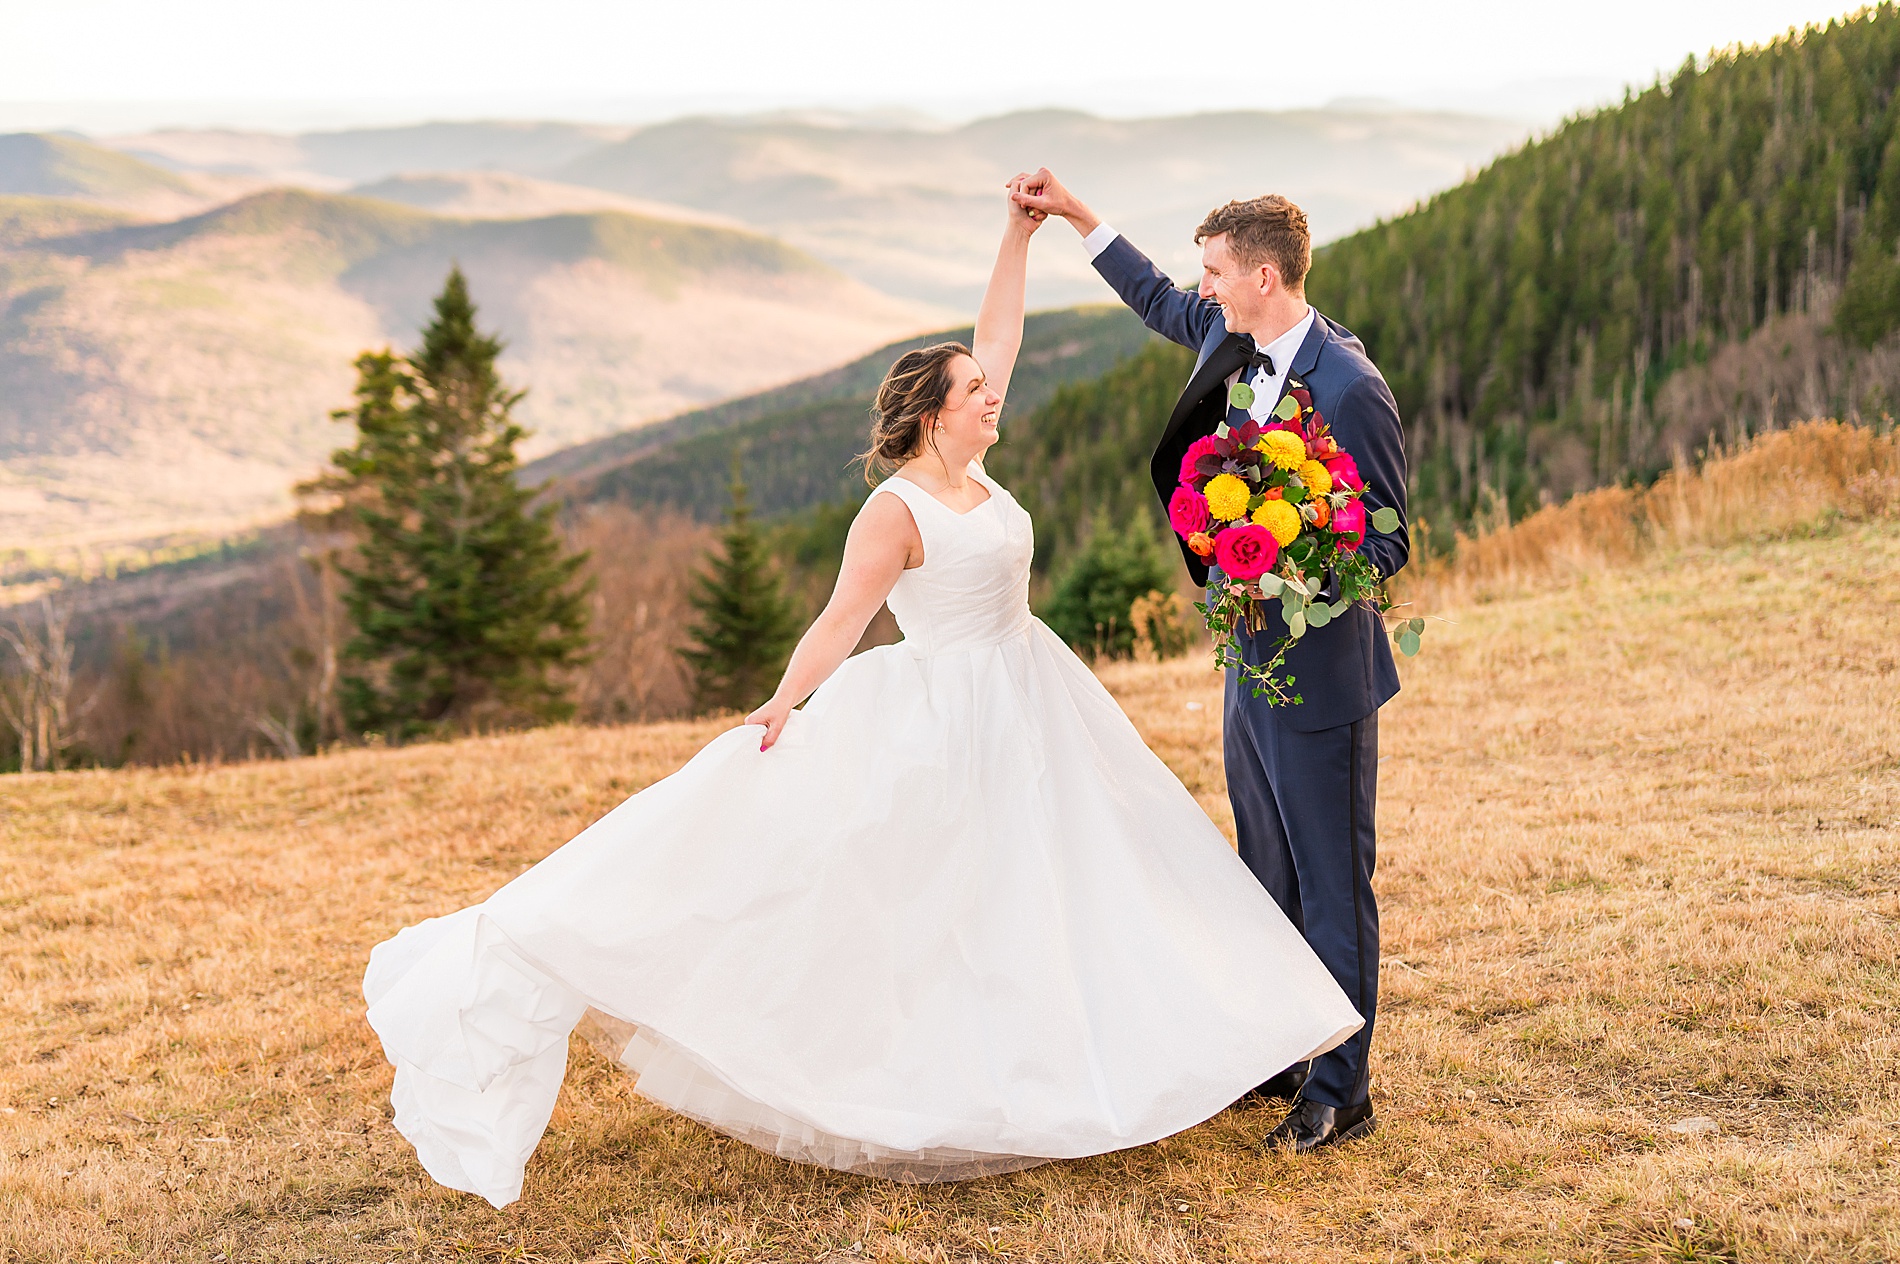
(164, 376)
(67, 167)
(503, 195)
(911, 210)
(337, 159)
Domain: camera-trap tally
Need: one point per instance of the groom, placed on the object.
(1301, 777)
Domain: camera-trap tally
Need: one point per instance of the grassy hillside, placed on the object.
(1638, 904)
(800, 442)
(1713, 258)
(172, 376)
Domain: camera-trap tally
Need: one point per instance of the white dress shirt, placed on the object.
(1266, 386)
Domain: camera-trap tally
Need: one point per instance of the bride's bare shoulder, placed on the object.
(885, 512)
(886, 521)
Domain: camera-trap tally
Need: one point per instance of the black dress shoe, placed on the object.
(1312, 1125)
(1284, 1087)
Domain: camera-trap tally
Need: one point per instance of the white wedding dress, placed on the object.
(959, 920)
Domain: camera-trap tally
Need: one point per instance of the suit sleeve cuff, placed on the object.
(1101, 239)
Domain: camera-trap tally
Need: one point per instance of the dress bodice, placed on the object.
(973, 587)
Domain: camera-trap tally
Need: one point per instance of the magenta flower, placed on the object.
(1345, 472)
(1206, 445)
(1187, 511)
(1349, 522)
(1246, 552)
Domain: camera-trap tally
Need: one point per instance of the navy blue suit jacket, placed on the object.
(1344, 671)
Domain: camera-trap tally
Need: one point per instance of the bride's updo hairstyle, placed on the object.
(910, 395)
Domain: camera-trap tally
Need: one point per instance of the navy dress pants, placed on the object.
(1303, 813)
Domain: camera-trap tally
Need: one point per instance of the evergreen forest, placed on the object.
(1712, 258)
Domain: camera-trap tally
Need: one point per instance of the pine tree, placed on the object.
(747, 625)
(463, 599)
(1089, 607)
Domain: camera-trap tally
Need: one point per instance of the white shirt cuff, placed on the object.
(1101, 239)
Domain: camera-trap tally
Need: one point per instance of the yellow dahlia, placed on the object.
(1227, 496)
(1316, 480)
(1280, 518)
(1284, 448)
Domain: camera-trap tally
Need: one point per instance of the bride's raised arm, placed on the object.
(999, 323)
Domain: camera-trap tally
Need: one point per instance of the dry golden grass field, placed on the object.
(1640, 883)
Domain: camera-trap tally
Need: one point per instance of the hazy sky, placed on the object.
(272, 62)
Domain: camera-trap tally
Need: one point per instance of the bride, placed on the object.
(950, 918)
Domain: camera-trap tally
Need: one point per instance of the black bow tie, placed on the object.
(1260, 360)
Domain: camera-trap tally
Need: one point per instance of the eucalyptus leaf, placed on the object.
(1271, 584)
(1339, 607)
(1319, 616)
(1296, 625)
(1290, 603)
(1287, 409)
(1240, 395)
(1417, 625)
(1385, 520)
(1408, 642)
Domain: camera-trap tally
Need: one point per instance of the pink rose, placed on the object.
(1203, 446)
(1349, 523)
(1187, 511)
(1345, 472)
(1246, 552)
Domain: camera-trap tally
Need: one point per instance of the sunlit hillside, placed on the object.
(1640, 912)
(170, 375)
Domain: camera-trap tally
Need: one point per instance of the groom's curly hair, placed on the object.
(1261, 230)
(907, 399)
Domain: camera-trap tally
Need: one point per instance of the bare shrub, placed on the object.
(642, 565)
(36, 694)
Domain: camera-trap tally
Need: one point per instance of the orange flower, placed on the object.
(1322, 512)
(1201, 543)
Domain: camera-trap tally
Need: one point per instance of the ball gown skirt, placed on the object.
(960, 920)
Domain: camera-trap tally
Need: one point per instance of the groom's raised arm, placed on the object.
(1178, 315)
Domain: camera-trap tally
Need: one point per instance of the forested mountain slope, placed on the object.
(799, 442)
(1712, 258)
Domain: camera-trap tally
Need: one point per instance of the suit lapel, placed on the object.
(1225, 358)
(1306, 357)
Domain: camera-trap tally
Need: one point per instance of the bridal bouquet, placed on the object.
(1275, 504)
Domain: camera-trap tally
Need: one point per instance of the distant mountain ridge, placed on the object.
(180, 374)
(35, 165)
(908, 210)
